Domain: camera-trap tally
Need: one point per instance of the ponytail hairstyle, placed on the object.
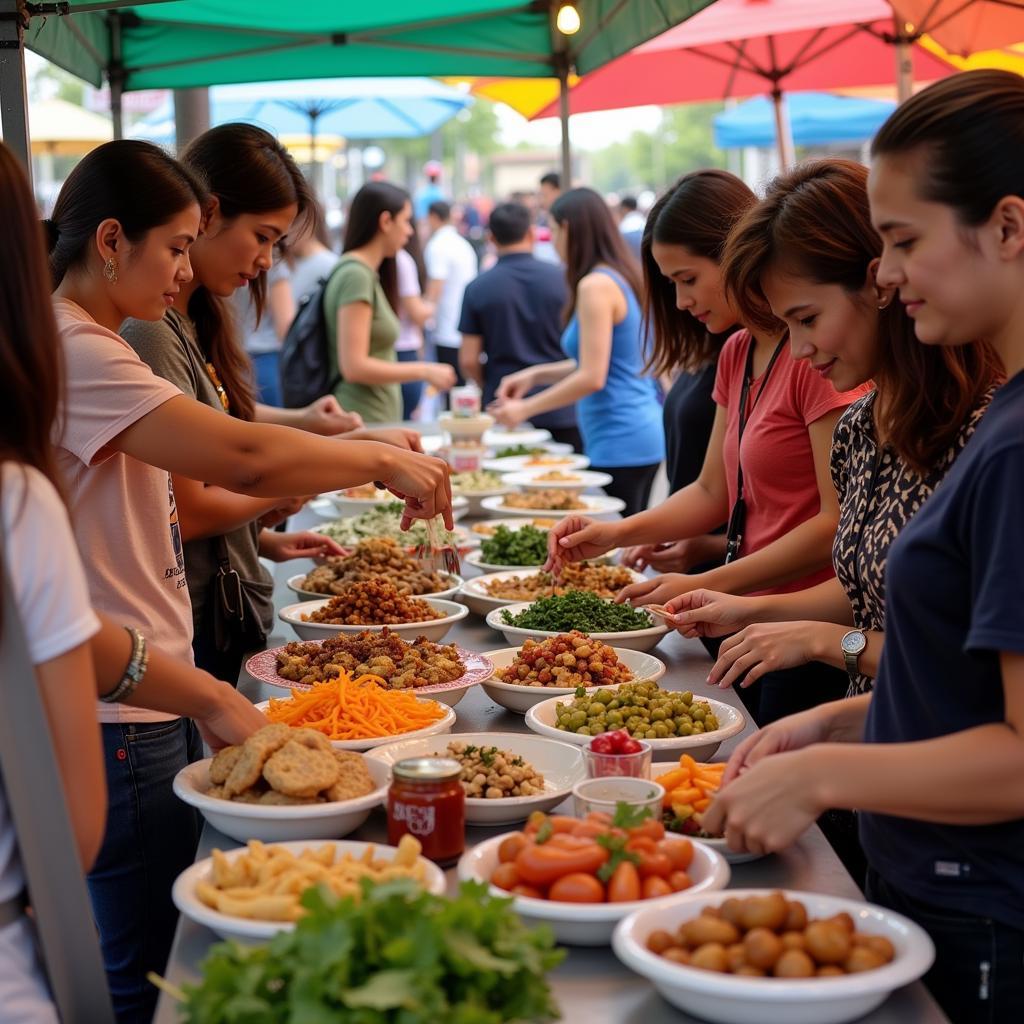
(970, 127)
(248, 171)
(373, 199)
(815, 223)
(31, 363)
(414, 247)
(594, 239)
(133, 182)
(697, 212)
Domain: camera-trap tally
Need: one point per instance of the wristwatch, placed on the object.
(853, 644)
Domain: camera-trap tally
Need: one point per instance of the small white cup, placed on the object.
(605, 793)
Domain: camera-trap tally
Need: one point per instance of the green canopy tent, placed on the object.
(189, 43)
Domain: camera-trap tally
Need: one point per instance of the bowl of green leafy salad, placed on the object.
(385, 521)
(617, 624)
(525, 547)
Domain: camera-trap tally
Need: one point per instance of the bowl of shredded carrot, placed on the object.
(360, 713)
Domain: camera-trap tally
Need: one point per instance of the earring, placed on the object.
(110, 270)
(886, 303)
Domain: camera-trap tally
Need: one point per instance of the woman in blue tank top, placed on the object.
(616, 404)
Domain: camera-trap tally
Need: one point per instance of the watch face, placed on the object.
(854, 643)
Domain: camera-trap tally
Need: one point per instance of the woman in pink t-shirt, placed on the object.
(789, 413)
(119, 239)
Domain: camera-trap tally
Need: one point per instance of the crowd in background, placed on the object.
(833, 371)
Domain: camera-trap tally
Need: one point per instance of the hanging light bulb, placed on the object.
(567, 21)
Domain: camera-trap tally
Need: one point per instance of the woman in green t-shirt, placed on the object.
(360, 303)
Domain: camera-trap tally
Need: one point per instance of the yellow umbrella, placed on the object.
(525, 96)
(1007, 58)
(59, 128)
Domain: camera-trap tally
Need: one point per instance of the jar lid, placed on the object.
(426, 769)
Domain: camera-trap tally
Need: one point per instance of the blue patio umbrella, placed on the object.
(355, 108)
(815, 117)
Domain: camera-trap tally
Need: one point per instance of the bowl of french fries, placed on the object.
(252, 893)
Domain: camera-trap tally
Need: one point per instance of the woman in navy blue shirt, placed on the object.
(940, 780)
(617, 406)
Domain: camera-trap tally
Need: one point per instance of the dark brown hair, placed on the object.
(971, 128)
(135, 183)
(594, 239)
(815, 223)
(696, 212)
(414, 247)
(373, 199)
(31, 364)
(248, 171)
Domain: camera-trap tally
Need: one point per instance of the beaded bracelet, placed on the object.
(135, 671)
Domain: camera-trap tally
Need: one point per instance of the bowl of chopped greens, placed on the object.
(386, 521)
(356, 500)
(617, 624)
(523, 547)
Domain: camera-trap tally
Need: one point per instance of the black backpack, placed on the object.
(305, 365)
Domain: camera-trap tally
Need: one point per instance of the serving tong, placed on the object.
(436, 556)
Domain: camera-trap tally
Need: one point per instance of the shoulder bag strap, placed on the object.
(46, 841)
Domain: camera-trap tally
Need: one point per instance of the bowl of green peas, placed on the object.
(667, 719)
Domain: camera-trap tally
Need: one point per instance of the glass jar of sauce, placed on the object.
(426, 800)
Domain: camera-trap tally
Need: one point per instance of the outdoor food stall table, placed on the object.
(591, 985)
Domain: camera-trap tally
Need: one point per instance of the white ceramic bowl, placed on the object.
(520, 699)
(434, 629)
(276, 824)
(474, 499)
(634, 640)
(718, 845)
(567, 461)
(586, 924)
(583, 479)
(251, 931)
(489, 526)
(598, 506)
(561, 764)
(730, 999)
(439, 728)
(474, 559)
(541, 719)
(263, 667)
(500, 437)
(473, 593)
(345, 506)
(295, 585)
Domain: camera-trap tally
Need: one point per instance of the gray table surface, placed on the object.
(591, 985)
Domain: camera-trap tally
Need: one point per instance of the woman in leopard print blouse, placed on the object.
(809, 250)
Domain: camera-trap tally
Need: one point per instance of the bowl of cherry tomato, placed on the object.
(618, 754)
(581, 876)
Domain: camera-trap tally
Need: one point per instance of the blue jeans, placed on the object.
(151, 838)
(266, 367)
(412, 390)
(978, 974)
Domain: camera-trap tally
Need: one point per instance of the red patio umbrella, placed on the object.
(748, 47)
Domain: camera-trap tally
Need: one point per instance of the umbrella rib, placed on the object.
(401, 115)
(544, 58)
(831, 45)
(600, 25)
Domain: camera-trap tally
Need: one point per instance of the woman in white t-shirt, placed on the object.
(119, 239)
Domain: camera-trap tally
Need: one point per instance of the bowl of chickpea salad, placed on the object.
(506, 776)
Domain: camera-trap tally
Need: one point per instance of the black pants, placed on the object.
(630, 483)
(567, 435)
(225, 665)
(450, 354)
(789, 690)
(977, 976)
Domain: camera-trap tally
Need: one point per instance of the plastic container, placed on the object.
(607, 793)
(636, 766)
(466, 458)
(465, 401)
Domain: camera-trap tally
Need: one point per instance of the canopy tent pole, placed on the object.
(13, 84)
(115, 74)
(191, 115)
(563, 117)
(904, 64)
(783, 132)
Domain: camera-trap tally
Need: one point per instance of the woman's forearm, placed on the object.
(549, 373)
(568, 390)
(690, 512)
(281, 417)
(213, 511)
(824, 641)
(826, 602)
(804, 550)
(372, 371)
(973, 777)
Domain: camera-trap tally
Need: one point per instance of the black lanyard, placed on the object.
(738, 519)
